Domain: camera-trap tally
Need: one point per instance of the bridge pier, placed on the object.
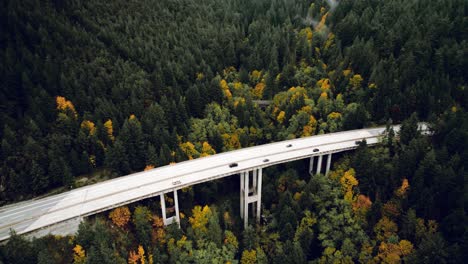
(319, 164)
(250, 194)
(327, 170)
(174, 218)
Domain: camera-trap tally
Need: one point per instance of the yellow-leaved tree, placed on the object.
(199, 218)
(200, 76)
(257, 92)
(324, 84)
(120, 216)
(109, 129)
(385, 228)
(139, 257)
(79, 255)
(307, 32)
(356, 81)
(158, 233)
(393, 252)
(332, 255)
(230, 240)
(207, 150)
(224, 86)
(141, 254)
(321, 24)
(280, 117)
(63, 105)
(309, 129)
(348, 182)
(249, 257)
(88, 126)
(189, 149)
(255, 75)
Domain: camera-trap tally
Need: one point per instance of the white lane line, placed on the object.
(29, 210)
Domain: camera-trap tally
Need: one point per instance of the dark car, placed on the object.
(266, 160)
(232, 165)
(357, 142)
(289, 145)
(316, 149)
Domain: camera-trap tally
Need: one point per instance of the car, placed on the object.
(176, 182)
(266, 160)
(316, 150)
(289, 145)
(232, 165)
(357, 142)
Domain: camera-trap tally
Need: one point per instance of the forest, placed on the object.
(94, 90)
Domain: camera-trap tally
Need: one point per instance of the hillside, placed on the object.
(108, 88)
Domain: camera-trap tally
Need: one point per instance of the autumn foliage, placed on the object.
(89, 126)
(158, 233)
(348, 182)
(401, 192)
(64, 105)
(249, 257)
(224, 86)
(109, 129)
(393, 252)
(79, 256)
(200, 217)
(385, 228)
(361, 206)
(120, 216)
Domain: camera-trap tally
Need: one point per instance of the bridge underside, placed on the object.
(250, 197)
(65, 228)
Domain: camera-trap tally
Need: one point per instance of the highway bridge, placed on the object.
(62, 213)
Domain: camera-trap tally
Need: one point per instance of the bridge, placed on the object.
(62, 213)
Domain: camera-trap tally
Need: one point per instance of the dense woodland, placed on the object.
(100, 89)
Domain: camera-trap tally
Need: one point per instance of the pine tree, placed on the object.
(117, 158)
(132, 139)
(40, 181)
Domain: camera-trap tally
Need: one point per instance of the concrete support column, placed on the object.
(246, 198)
(254, 181)
(311, 165)
(259, 195)
(319, 164)
(176, 217)
(328, 164)
(254, 189)
(176, 204)
(163, 207)
(242, 195)
(251, 195)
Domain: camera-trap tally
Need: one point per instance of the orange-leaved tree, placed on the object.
(89, 127)
(158, 233)
(120, 216)
(64, 105)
